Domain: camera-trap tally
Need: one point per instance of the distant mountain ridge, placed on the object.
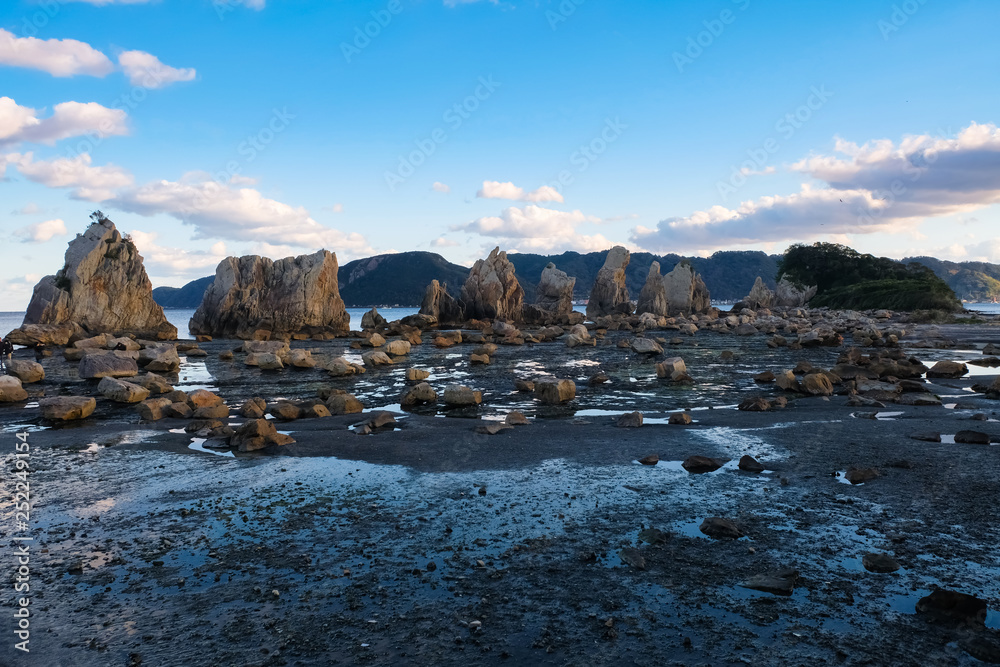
(399, 279)
(971, 281)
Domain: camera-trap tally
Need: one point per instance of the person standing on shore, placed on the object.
(6, 350)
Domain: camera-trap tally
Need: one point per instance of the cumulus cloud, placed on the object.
(58, 57)
(876, 187)
(28, 209)
(440, 187)
(40, 232)
(68, 119)
(442, 242)
(164, 260)
(238, 214)
(498, 190)
(537, 228)
(91, 183)
(146, 70)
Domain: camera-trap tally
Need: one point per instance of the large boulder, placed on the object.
(160, 358)
(372, 320)
(653, 297)
(460, 395)
(439, 304)
(554, 301)
(609, 295)
(492, 291)
(257, 434)
(67, 408)
(122, 392)
(27, 371)
(686, 291)
(554, 392)
(789, 295)
(11, 390)
(97, 366)
(103, 286)
(31, 335)
(288, 296)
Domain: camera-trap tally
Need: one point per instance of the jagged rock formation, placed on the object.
(653, 298)
(788, 295)
(103, 288)
(686, 291)
(492, 292)
(440, 305)
(555, 297)
(291, 295)
(759, 297)
(609, 295)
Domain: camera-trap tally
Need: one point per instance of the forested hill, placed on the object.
(971, 281)
(401, 278)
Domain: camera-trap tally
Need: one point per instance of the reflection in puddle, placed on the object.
(198, 445)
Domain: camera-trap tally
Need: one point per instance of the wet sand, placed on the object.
(171, 555)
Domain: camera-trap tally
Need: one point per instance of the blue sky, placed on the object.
(224, 127)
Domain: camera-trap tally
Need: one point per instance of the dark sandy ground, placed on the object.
(432, 544)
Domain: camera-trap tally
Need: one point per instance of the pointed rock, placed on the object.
(555, 297)
(686, 291)
(440, 305)
(609, 295)
(653, 297)
(492, 291)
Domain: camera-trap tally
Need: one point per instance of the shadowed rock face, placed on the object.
(492, 291)
(292, 295)
(103, 287)
(760, 296)
(653, 298)
(443, 306)
(787, 295)
(555, 297)
(609, 295)
(686, 291)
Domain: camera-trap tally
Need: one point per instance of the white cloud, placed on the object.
(337, 208)
(536, 228)
(15, 293)
(162, 260)
(28, 209)
(146, 70)
(40, 232)
(498, 190)
(442, 242)
(68, 119)
(877, 187)
(440, 187)
(58, 57)
(91, 183)
(238, 214)
(236, 179)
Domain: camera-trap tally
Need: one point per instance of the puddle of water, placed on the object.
(198, 445)
(195, 375)
(948, 439)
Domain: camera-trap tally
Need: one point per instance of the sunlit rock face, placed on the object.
(492, 291)
(103, 288)
(653, 297)
(686, 291)
(554, 302)
(609, 295)
(291, 295)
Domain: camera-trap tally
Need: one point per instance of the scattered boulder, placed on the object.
(97, 366)
(11, 390)
(750, 464)
(817, 384)
(480, 359)
(49, 335)
(609, 295)
(645, 346)
(860, 475)
(257, 434)
(202, 398)
(254, 408)
(122, 392)
(972, 438)
(764, 378)
(630, 420)
(344, 404)
(301, 359)
(457, 395)
(879, 563)
(680, 419)
(492, 291)
(153, 409)
(27, 372)
(398, 348)
(340, 367)
(754, 404)
(67, 408)
(374, 340)
(554, 392)
(719, 528)
(951, 607)
(375, 358)
(787, 381)
(650, 460)
(285, 411)
(372, 320)
(265, 361)
(789, 295)
(779, 583)
(416, 374)
(671, 368)
(947, 369)
(420, 394)
(524, 386)
(701, 464)
(515, 418)
(160, 359)
(155, 384)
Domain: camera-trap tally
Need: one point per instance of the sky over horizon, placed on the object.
(208, 128)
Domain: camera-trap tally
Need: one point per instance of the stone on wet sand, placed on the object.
(860, 475)
(203, 398)
(301, 359)
(398, 348)
(754, 404)
(952, 607)
(265, 361)
(11, 390)
(670, 368)
(160, 359)
(153, 409)
(630, 420)
(947, 369)
(285, 411)
(972, 438)
(457, 395)
(555, 392)
(417, 374)
(515, 418)
(764, 378)
(787, 381)
(750, 464)
(344, 404)
(817, 384)
(650, 460)
(420, 394)
(27, 372)
(879, 563)
(122, 392)
(340, 367)
(680, 419)
(67, 408)
(258, 434)
(779, 583)
(524, 386)
(719, 528)
(97, 366)
(179, 410)
(376, 358)
(480, 359)
(493, 428)
(645, 346)
(253, 408)
(701, 464)
(156, 384)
